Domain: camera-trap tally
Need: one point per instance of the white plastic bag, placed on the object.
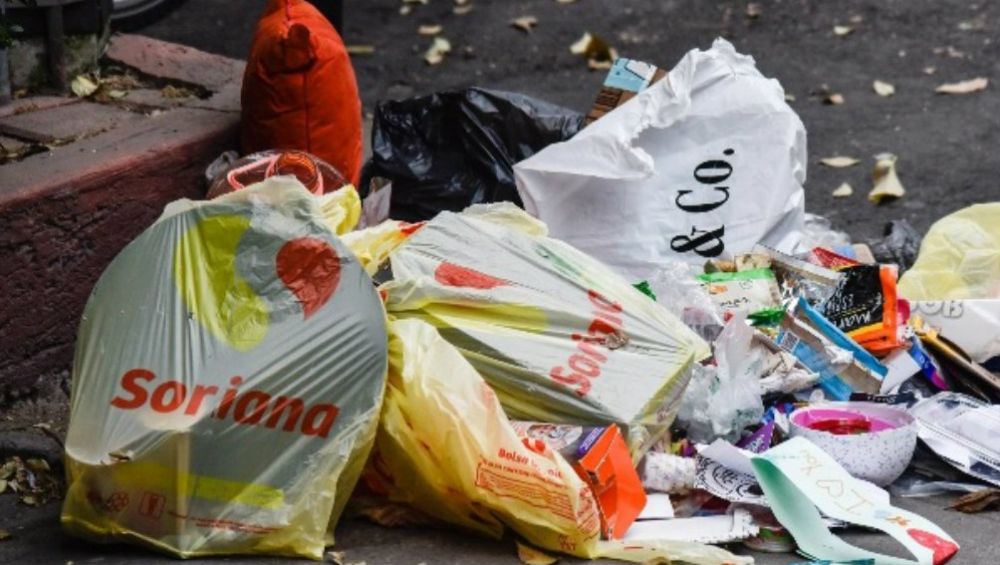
(704, 163)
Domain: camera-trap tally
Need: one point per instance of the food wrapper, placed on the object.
(751, 291)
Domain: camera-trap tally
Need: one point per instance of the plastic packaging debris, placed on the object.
(973, 325)
(873, 442)
(912, 485)
(626, 78)
(480, 475)
(959, 257)
(798, 278)
(899, 245)
(703, 131)
(772, 538)
(801, 480)
(558, 335)
(723, 528)
(817, 231)
(783, 373)
(962, 430)
(677, 289)
(299, 90)
(226, 325)
(751, 291)
(601, 458)
(887, 185)
(664, 472)
(722, 400)
(318, 176)
(842, 365)
(962, 373)
(452, 149)
(864, 306)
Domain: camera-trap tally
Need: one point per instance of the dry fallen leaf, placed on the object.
(754, 10)
(842, 191)
(336, 557)
(977, 501)
(789, 97)
(930, 70)
(461, 2)
(435, 54)
(964, 87)
(531, 556)
(839, 162)
(462, 9)
(524, 23)
(887, 185)
(841, 31)
(361, 49)
(833, 99)
(115, 93)
(82, 86)
(599, 54)
(4, 535)
(565, 1)
(883, 88)
(429, 29)
(975, 24)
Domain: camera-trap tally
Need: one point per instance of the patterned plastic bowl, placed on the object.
(874, 442)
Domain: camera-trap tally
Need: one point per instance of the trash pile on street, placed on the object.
(661, 352)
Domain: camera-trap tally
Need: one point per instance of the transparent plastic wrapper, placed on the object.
(818, 231)
(962, 430)
(722, 400)
(481, 475)
(227, 382)
(959, 258)
(704, 163)
(560, 337)
(676, 286)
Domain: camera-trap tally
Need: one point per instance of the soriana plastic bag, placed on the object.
(706, 162)
(959, 258)
(228, 377)
(560, 337)
(446, 447)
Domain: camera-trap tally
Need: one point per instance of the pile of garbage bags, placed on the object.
(613, 371)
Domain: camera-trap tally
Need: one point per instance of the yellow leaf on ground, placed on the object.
(429, 29)
(524, 23)
(842, 30)
(843, 191)
(438, 49)
(964, 87)
(531, 556)
(82, 86)
(883, 88)
(839, 162)
(887, 185)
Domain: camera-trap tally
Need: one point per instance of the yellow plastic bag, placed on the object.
(959, 257)
(557, 334)
(228, 379)
(445, 447)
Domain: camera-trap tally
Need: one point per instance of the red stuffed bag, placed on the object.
(299, 90)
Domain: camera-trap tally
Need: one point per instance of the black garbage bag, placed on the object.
(900, 245)
(451, 149)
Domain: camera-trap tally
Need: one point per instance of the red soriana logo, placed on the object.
(586, 363)
(250, 408)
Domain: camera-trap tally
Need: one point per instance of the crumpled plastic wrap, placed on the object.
(722, 400)
(959, 257)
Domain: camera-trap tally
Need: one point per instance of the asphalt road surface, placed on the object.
(946, 144)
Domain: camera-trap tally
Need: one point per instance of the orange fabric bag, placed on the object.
(299, 90)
